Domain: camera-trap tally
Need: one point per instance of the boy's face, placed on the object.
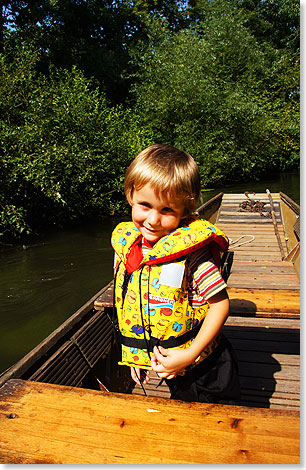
(155, 216)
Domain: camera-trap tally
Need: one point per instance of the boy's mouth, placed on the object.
(151, 230)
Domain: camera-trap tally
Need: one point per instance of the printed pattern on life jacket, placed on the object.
(154, 303)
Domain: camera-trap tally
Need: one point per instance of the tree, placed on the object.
(64, 150)
(209, 90)
(94, 35)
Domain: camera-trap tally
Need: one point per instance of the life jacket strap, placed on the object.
(172, 342)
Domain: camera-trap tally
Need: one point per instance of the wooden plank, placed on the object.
(255, 243)
(269, 370)
(247, 395)
(255, 275)
(265, 346)
(293, 398)
(251, 229)
(256, 196)
(274, 401)
(260, 233)
(264, 247)
(245, 267)
(264, 334)
(63, 425)
(261, 236)
(105, 299)
(262, 263)
(266, 278)
(222, 219)
(270, 264)
(252, 251)
(234, 204)
(247, 300)
(274, 219)
(250, 257)
(254, 225)
(247, 217)
(269, 385)
(266, 323)
(234, 211)
(237, 282)
(152, 388)
(260, 357)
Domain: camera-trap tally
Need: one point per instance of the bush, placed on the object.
(216, 92)
(64, 150)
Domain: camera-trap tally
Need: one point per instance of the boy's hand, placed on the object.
(140, 375)
(167, 363)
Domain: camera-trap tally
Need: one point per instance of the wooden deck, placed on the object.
(258, 264)
(54, 424)
(264, 325)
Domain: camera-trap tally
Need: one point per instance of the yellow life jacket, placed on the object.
(152, 301)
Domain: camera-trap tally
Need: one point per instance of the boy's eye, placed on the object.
(167, 209)
(144, 204)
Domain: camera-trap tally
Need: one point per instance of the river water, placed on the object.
(43, 284)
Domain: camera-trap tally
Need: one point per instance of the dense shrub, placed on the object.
(64, 151)
(217, 78)
(218, 93)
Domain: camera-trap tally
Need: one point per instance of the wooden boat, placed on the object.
(44, 421)
(263, 288)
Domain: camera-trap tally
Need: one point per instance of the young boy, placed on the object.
(171, 299)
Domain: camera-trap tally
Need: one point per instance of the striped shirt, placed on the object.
(204, 278)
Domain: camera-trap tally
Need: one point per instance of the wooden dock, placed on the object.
(264, 321)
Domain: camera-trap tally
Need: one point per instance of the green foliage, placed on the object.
(214, 91)
(217, 78)
(12, 221)
(93, 35)
(64, 151)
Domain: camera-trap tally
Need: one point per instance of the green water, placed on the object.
(41, 286)
(288, 183)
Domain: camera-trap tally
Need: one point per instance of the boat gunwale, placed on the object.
(26, 362)
(290, 202)
(210, 202)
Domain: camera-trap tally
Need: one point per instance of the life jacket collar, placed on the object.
(179, 243)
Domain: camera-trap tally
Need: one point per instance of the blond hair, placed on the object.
(171, 173)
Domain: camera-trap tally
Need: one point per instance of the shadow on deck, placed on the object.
(268, 360)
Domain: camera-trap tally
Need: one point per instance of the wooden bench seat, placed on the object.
(52, 424)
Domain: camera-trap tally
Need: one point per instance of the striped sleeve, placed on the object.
(205, 279)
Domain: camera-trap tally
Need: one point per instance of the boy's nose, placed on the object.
(153, 218)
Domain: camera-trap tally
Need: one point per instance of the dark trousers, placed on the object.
(214, 380)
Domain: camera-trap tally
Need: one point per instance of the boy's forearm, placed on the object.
(215, 318)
